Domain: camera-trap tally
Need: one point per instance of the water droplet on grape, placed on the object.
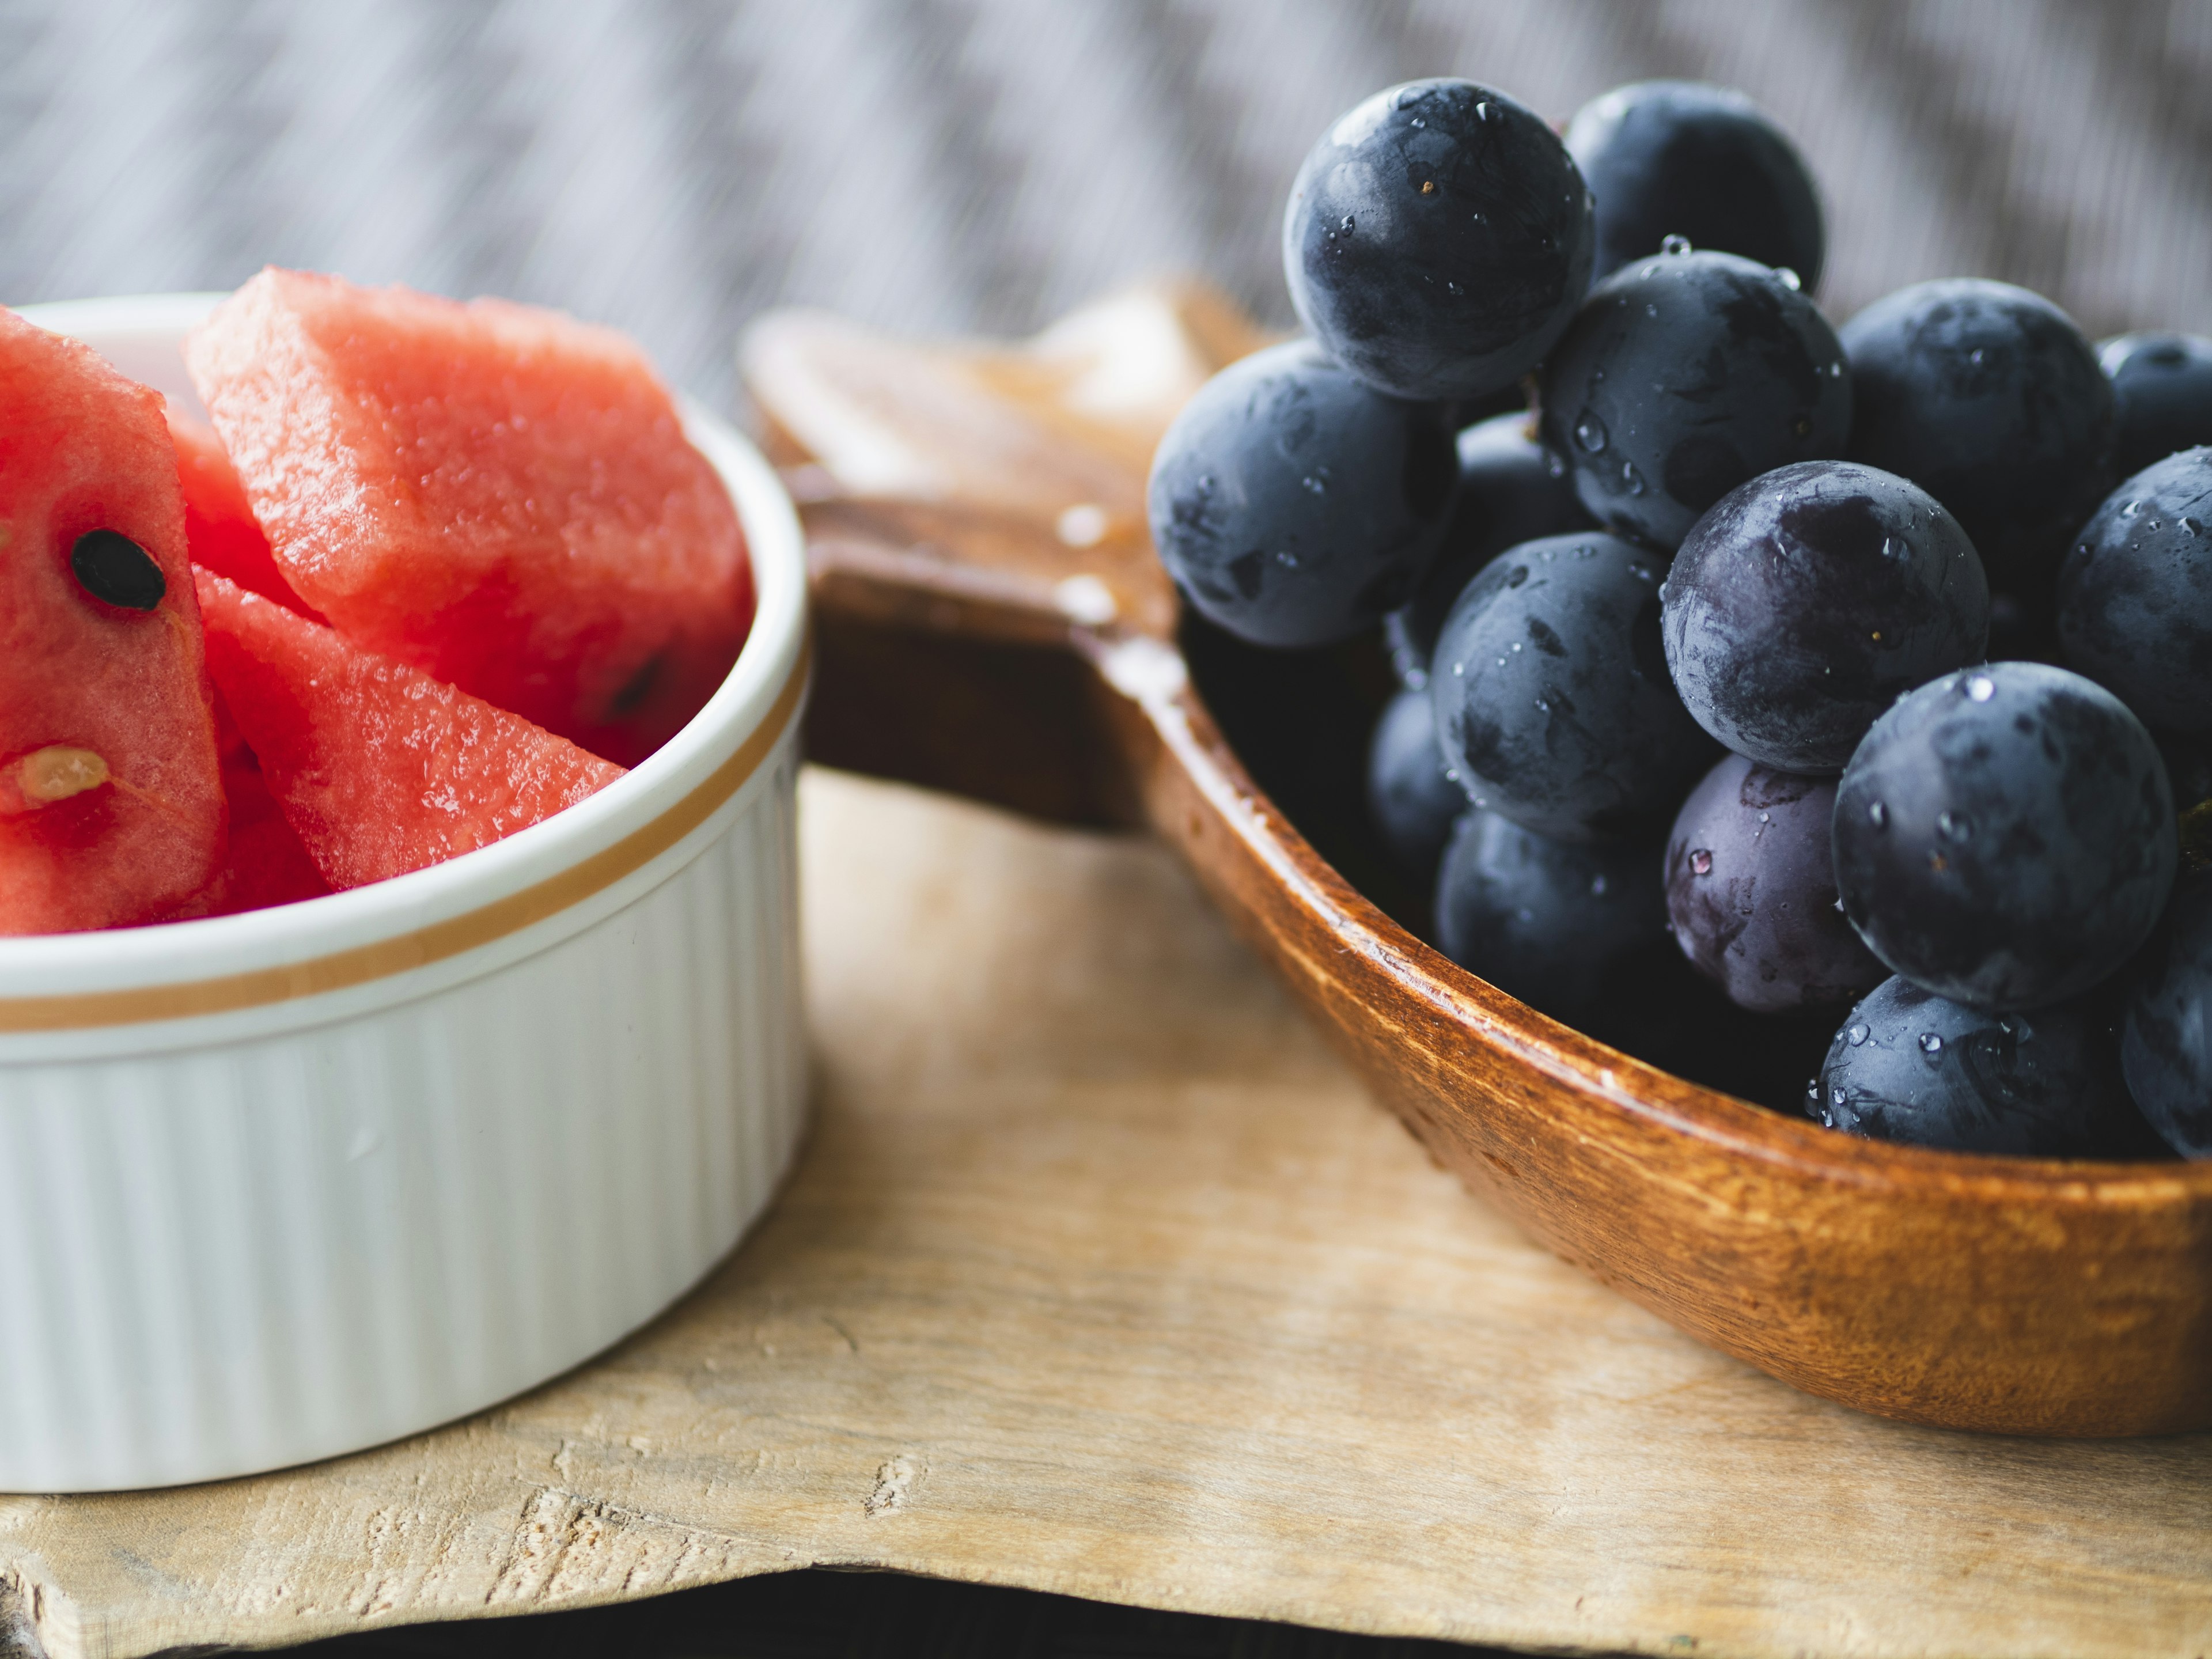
(1977, 356)
(1855, 1035)
(1980, 687)
(1591, 433)
(1631, 478)
(1788, 278)
(1675, 246)
(1877, 814)
(1701, 862)
(1953, 826)
(1930, 1043)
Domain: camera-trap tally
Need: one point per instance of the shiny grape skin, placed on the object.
(2165, 1044)
(1437, 239)
(1990, 399)
(1810, 599)
(1551, 696)
(1411, 800)
(2135, 594)
(1295, 505)
(1908, 1065)
(1682, 158)
(1750, 891)
(2161, 393)
(1684, 375)
(2005, 836)
(1553, 924)
(1511, 490)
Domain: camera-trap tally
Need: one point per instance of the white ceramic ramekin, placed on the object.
(278, 1185)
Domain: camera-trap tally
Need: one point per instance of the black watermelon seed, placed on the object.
(110, 566)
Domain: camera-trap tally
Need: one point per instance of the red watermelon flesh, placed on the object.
(219, 529)
(379, 767)
(267, 864)
(111, 805)
(500, 496)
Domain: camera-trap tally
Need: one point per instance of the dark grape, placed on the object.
(2165, 1046)
(1751, 890)
(1988, 398)
(1438, 240)
(1909, 1066)
(1684, 375)
(1511, 490)
(2135, 594)
(2005, 837)
(1411, 799)
(1552, 695)
(2162, 393)
(1681, 158)
(1553, 924)
(1809, 600)
(1295, 505)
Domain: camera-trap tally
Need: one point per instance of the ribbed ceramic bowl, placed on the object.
(278, 1185)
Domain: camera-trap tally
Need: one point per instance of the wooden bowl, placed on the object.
(992, 620)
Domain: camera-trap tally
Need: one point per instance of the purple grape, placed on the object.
(2165, 1048)
(1295, 505)
(1809, 600)
(2162, 392)
(1990, 399)
(1551, 696)
(2135, 594)
(1411, 799)
(1560, 926)
(1909, 1066)
(1680, 158)
(1438, 240)
(2005, 837)
(1683, 376)
(1750, 891)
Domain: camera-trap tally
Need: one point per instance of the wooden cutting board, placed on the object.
(1101, 1276)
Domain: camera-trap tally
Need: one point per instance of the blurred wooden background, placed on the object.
(674, 166)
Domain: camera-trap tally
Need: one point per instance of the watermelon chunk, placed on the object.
(500, 496)
(220, 530)
(379, 767)
(268, 863)
(111, 804)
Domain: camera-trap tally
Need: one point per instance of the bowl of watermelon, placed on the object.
(399, 986)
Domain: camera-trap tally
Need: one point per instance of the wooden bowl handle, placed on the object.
(984, 586)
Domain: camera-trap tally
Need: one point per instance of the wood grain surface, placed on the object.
(1102, 1275)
